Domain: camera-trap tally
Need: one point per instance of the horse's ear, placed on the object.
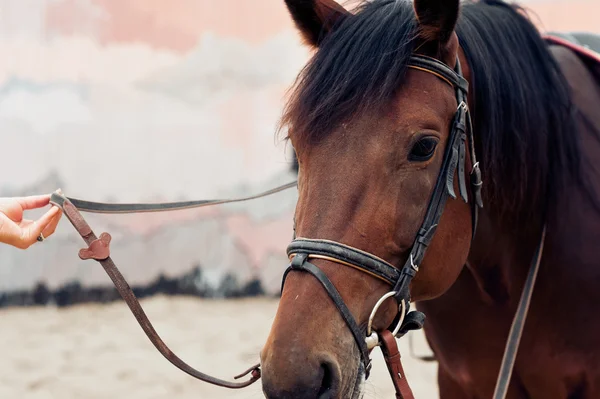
(437, 19)
(316, 18)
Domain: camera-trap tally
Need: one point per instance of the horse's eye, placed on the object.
(423, 150)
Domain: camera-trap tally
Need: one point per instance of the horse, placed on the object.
(373, 132)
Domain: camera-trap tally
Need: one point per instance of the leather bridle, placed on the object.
(302, 250)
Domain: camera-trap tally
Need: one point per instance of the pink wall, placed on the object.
(180, 99)
(567, 15)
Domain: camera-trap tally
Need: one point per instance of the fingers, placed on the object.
(48, 220)
(34, 201)
(30, 233)
(51, 227)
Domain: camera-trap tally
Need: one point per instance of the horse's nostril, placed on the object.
(327, 384)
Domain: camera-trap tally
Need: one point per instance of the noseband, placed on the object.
(301, 250)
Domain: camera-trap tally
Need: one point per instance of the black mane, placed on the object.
(357, 68)
(524, 123)
(523, 116)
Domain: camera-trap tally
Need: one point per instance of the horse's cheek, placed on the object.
(446, 255)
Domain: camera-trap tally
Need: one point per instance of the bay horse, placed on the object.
(373, 132)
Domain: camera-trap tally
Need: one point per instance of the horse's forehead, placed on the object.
(423, 102)
(425, 91)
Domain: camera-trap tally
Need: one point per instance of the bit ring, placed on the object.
(372, 338)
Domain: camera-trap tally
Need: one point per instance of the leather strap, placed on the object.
(350, 256)
(391, 355)
(454, 158)
(98, 249)
(516, 330)
(461, 85)
(432, 65)
(443, 189)
(104, 207)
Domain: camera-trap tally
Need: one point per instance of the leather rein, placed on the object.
(301, 250)
(99, 250)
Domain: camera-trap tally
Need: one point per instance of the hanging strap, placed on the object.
(516, 330)
(99, 250)
(391, 355)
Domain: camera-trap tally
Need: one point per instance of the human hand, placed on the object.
(22, 233)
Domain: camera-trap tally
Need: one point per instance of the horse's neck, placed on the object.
(499, 260)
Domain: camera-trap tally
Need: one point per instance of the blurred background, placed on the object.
(146, 100)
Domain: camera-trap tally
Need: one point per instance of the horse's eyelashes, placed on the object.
(423, 149)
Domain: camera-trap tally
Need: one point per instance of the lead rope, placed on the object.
(105, 207)
(99, 250)
(391, 355)
(516, 330)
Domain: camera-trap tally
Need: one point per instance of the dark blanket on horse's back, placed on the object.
(587, 54)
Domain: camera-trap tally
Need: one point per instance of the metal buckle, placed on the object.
(464, 106)
(372, 339)
(412, 263)
(476, 170)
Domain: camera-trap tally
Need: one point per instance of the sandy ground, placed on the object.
(99, 351)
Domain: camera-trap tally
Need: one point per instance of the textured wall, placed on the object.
(143, 101)
(137, 100)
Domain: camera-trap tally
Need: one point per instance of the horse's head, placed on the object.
(372, 129)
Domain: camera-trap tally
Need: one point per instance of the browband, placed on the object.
(435, 67)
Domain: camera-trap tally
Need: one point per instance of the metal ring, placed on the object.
(41, 237)
(401, 308)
